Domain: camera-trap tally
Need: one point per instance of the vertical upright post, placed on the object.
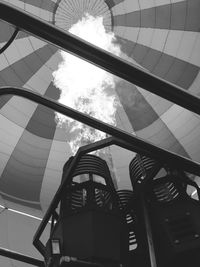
(152, 254)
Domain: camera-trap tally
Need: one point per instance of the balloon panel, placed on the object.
(160, 36)
(16, 234)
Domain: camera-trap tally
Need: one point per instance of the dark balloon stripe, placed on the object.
(193, 15)
(111, 3)
(139, 53)
(18, 73)
(32, 164)
(43, 57)
(176, 70)
(165, 66)
(22, 34)
(142, 117)
(148, 17)
(6, 31)
(176, 147)
(177, 16)
(138, 110)
(47, 5)
(162, 137)
(150, 59)
(173, 69)
(23, 175)
(21, 71)
(42, 123)
(188, 76)
(4, 100)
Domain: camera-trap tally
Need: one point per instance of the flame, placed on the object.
(86, 87)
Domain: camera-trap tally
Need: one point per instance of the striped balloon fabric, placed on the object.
(161, 36)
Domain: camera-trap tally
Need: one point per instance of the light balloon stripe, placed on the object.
(182, 15)
(24, 48)
(150, 45)
(178, 44)
(162, 36)
(161, 64)
(159, 134)
(18, 110)
(9, 136)
(47, 5)
(6, 32)
(27, 164)
(42, 123)
(58, 155)
(19, 74)
(184, 124)
(194, 88)
(128, 6)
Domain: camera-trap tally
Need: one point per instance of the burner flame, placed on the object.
(86, 87)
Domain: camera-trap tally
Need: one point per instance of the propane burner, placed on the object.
(90, 227)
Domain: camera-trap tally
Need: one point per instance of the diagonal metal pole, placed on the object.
(119, 67)
(20, 257)
(113, 65)
(120, 138)
(123, 138)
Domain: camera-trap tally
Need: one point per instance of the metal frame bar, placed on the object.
(113, 64)
(152, 254)
(20, 257)
(122, 138)
(82, 150)
(119, 137)
(12, 38)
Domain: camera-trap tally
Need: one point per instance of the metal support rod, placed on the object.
(74, 262)
(121, 138)
(109, 62)
(60, 191)
(112, 64)
(20, 257)
(12, 38)
(125, 139)
(152, 254)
